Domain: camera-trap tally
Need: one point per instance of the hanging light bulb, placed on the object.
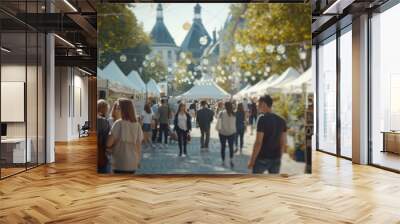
(302, 54)
(249, 49)
(253, 78)
(152, 64)
(270, 48)
(147, 57)
(122, 58)
(203, 40)
(247, 73)
(281, 49)
(267, 68)
(278, 58)
(239, 48)
(205, 61)
(234, 59)
(182, 55)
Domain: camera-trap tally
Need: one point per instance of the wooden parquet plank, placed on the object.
(70, 191)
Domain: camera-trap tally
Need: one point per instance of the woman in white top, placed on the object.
(125, 139)
(227, 131)
(183, 126)
(147, 119)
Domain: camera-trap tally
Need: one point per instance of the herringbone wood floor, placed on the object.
(70, 191)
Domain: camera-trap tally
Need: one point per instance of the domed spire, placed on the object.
(159, 12)
(197, 12)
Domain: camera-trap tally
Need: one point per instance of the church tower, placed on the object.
(163, 43)
(191, 43)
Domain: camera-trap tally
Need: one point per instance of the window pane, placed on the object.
(385, 88)
(346, 94)
(327, 96)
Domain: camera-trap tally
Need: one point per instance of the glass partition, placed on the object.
(346, 93)
(327, 95)
(22, 91)
(385, 89)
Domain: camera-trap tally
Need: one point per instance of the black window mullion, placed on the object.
(338, 96)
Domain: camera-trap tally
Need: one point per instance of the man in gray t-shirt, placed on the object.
(164, 115)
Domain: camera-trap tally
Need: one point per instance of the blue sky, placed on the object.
(176, 14)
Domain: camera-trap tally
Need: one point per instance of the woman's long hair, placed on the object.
(229, 108)
(147, 108)
(114, 111)
(240, 108)
(181, 105)
(127, 110)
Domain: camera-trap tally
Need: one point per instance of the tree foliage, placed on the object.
(154, 68)
(260, 25)
(118, 28)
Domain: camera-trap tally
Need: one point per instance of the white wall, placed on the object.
(71, 87)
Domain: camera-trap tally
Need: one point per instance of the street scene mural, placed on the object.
(209, 88)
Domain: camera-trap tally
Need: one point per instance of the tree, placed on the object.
(154, 68)
(265, 25)
(186, 72)
(118, 28)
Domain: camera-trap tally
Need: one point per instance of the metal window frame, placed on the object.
(44, 74)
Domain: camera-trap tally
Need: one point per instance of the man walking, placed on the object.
(270, 140)
(164, 115)
(204, 118)
(154, 126)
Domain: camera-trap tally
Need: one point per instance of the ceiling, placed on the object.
(74, 22)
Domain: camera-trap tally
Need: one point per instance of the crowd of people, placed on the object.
(122, 132)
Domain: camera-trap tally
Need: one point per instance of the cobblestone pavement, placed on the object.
(166, 160)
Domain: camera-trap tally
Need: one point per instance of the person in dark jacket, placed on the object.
(204, 118)
(240, 127)
(103, 128)
(182, 126)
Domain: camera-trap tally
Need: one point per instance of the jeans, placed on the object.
(205, 137)
(239, 137)
(272, 165)
(154, 134)
(182, 141)
(124, 171)
(104, 169)
(223, 139)
(164, 129)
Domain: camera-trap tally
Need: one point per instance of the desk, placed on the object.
(391, 141)
(13, 150)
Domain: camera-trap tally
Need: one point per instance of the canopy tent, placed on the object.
(241, 92)
(105, 82)
(205, 89)
(152, 88)
(262, 86)
(297, 85)
(254, 87)
(287, 76)
(114, 74)
(135, 78)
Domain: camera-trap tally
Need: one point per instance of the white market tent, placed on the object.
(287, 76)
(106, 82)
(205, 89)
(297, 85)
(242, 91)
(116, 77)
(152, 88)
(261, 89)
(253, 88)
(135, 78)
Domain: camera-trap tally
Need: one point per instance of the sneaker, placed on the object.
(236, 150)
(223, 163)
(231, 163)
(184, 155)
